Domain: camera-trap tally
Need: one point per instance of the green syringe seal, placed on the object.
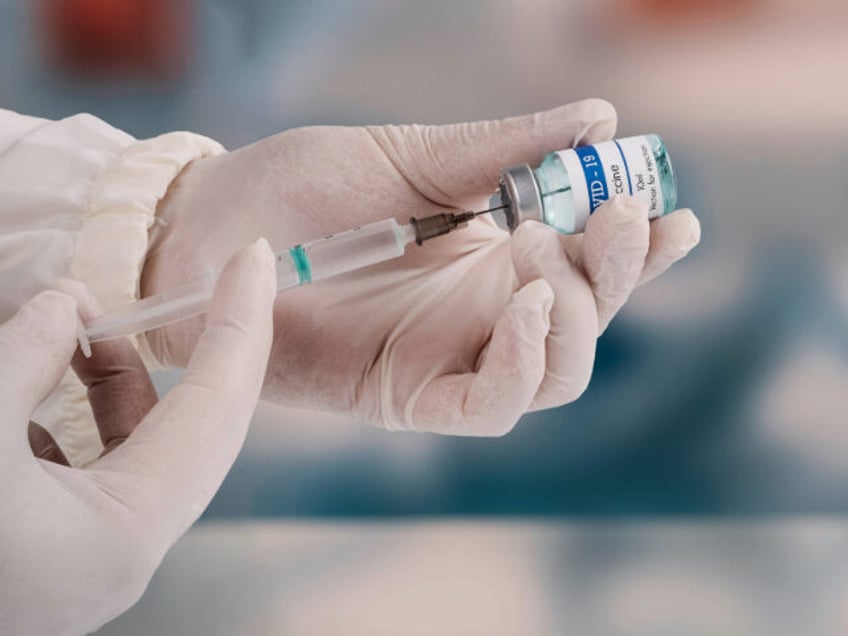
(301, 264)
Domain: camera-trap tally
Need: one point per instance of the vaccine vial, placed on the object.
(569, 185)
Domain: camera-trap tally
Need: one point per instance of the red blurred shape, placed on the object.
(118, 38)
(685, 12)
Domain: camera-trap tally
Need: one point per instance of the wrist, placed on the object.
(168, 261)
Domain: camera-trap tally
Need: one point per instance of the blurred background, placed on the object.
(696, 488)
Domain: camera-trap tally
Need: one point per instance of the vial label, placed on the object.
(620, 166)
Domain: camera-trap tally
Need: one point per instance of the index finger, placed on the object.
(673, 236)
(178, 456)
(454, 163)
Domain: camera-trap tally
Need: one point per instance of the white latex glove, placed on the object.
(462, 335)
(78, 546)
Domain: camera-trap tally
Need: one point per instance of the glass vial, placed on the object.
(571, 184)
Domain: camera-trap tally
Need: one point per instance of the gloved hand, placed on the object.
(462, 335)
(80, 545)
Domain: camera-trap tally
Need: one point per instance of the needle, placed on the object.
(505, 206)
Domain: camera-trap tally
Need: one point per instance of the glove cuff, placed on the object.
(109, 256)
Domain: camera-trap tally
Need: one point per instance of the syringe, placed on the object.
(302, 264)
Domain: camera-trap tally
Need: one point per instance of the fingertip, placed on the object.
(251, 268)
(54, 307)
(672, 237)
(258, 254)
(601, 107)
(239, 322)
(263, 258)
(263, 251)
(270, 259)
(267, 270)
(693, 237)
(597, 119)
(72, 287)
(622, 209)
(55, 298)
(680, 230)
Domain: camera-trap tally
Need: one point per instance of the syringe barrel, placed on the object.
(340, 253)
(302, 264)
(152, 312)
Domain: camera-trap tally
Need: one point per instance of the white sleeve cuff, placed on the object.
(109, 255)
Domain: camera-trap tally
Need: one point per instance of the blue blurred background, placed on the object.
(719, 390)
